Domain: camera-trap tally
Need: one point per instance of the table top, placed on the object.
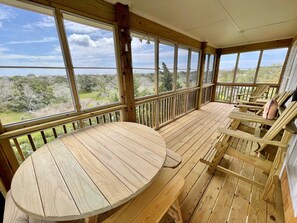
(88, 172)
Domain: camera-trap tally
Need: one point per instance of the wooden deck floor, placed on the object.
(219, 198)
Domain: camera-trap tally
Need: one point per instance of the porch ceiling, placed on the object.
(222, 23)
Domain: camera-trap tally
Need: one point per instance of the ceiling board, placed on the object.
(273, 32)
(220, 34)
(184, 14)
(254, 13)
(221, 22)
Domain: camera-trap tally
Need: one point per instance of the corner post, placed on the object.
(123, 22)
(216, 73)
(9, 163)
(201, 73)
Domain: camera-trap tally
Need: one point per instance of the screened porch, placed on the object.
(68, 66)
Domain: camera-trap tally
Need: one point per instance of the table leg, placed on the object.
(92, 219)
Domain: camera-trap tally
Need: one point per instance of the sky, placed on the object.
(30, 39)
(250, 59)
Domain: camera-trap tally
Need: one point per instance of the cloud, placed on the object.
(6, 12)
(51, 59)
(43, 40)
(1, 24)
(82, 40)
(79, 28)
(45, 22)
(86, 41)
(87, 51)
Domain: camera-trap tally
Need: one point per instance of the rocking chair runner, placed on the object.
(269, 139)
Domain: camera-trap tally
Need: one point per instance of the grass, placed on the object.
(12, 117)
(89, 95)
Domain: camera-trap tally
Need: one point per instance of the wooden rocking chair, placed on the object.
(258, 106)
(257, 93)
(276, 138)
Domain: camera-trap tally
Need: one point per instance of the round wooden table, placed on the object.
(88, 172)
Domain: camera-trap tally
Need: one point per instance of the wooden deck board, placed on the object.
(217, 198)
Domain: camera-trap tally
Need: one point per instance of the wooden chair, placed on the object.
(276, 138)
(151, 205)
(257, 93)
(258, 106)
(12, 214)
(245, 112)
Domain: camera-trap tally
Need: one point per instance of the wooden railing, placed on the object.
(24, 141)
(226, 92)
(156, 111)
(207, 90)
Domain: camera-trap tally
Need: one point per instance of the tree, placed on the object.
(137, 86)
(166, 79)
(31, 93)
(87, 83)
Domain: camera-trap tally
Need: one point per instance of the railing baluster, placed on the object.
(162, 113)
(19, 149)
(154, 119)
(151, 114)
(43, 137)
(146, 114)
(170, 106)
(166, 109)
(73, 125)
(55, 132)
(31, 142)
(64, 128)
(143, 114)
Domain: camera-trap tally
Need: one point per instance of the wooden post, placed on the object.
(174, 82)
(157, 103)
(234, 76)
(216, 74)
(122, 19)
(201, 73)
(258, 67)
(9, 163)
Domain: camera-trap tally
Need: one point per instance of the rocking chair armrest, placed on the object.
(250, 103)
(262, 101)
(254, 107)
(257, 96)
(291, 127)
(247, 117)
(247, 136)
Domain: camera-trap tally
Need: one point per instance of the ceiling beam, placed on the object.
(258, 46)
(140, 24)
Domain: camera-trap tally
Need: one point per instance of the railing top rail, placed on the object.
(61, 121)
(246, 84)
(164, 95)
(47, 119)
